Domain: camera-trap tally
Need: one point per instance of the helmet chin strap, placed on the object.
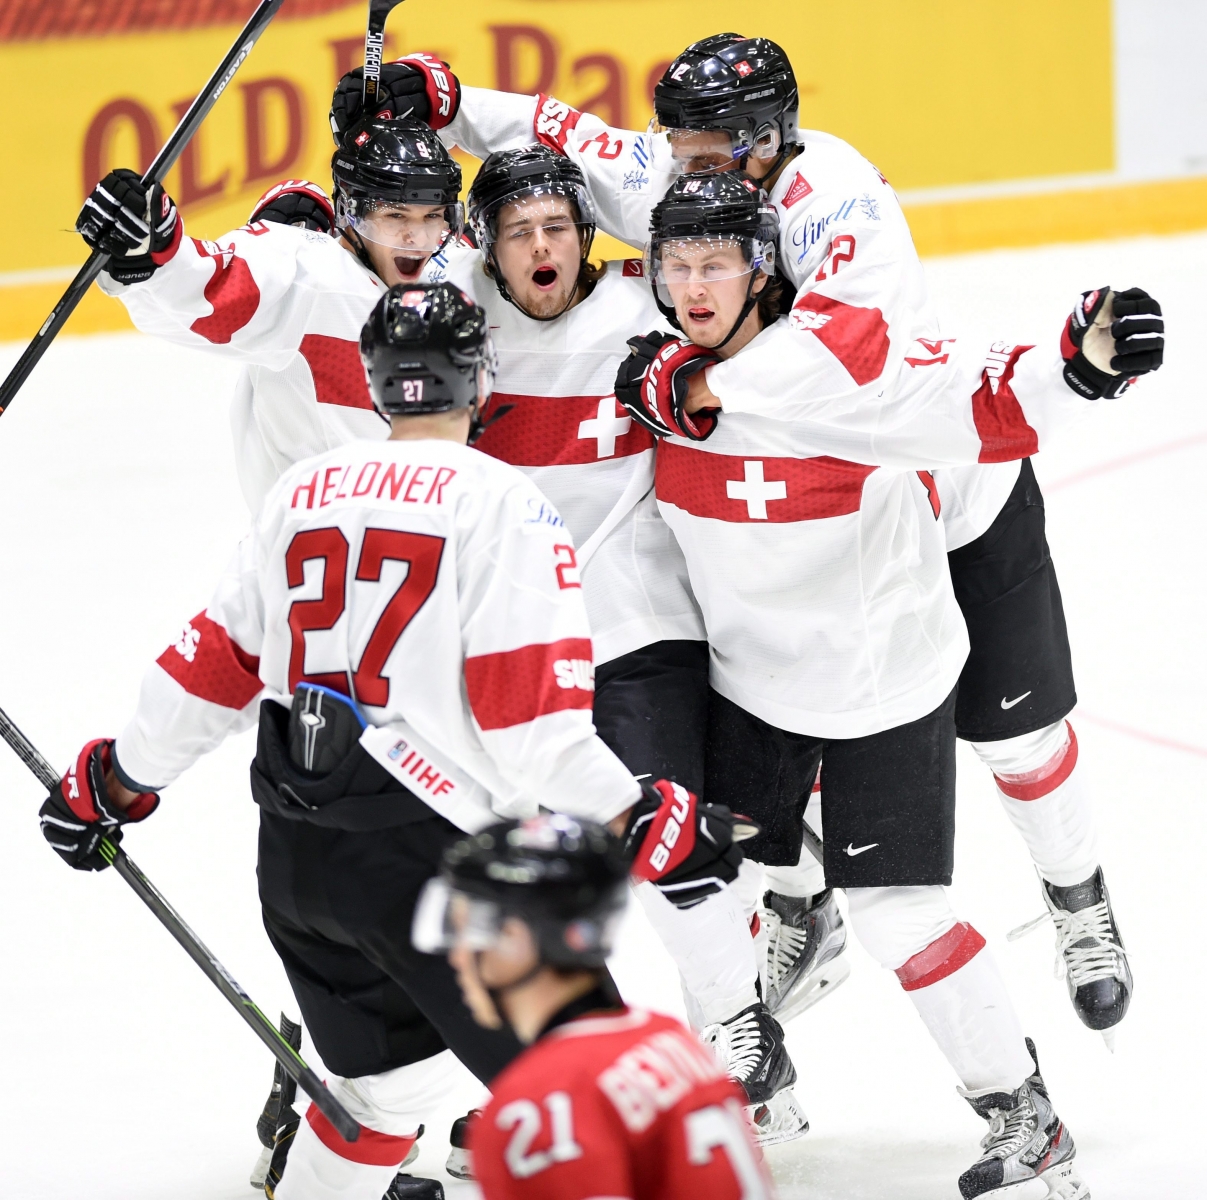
(751, 300)
(496, 994)
(358, 247)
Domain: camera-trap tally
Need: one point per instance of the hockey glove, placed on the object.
(296, 202)
(78, 812)
(688, 850)
(1110, 340)
(416, 85)
(137, 226)
(651, 384)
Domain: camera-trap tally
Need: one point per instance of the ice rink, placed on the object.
(126, 1077)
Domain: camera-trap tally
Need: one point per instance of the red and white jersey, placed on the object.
(561, 426)
(434, 584)
(625, 1106)
(289, 304)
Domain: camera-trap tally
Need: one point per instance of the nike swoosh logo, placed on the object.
(1011, 703)
(852, 851)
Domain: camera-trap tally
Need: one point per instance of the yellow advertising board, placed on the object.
(936, 92)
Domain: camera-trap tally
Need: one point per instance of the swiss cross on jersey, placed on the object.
(547, 431)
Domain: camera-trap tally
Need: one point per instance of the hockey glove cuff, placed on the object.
(416, 85)
(1106, 351)
(296, 202)
(78, 813)
(652, 382)
(137, 226)
(688, 850)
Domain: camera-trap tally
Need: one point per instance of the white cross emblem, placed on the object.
(756, 490)
(605, 427)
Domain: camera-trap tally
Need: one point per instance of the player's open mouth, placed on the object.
(409, 266)
(700, 315)
(544, 277)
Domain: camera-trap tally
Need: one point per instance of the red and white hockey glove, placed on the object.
(651, 384)
(416, 85)
(296, 202)
(688, 850)
(1128, 341)
(78, 813)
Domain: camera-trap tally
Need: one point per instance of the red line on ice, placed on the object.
(1128, 460)
(1141, 735)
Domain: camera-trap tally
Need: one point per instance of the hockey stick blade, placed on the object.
(160, 166)
(197, 950)
(375, 43)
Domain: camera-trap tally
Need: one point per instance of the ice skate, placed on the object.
(751, 1047)
(1089, 950)
(414, 1187)
(280, 1096)
(1026, 1140)
(460, 1164)
(805, 937)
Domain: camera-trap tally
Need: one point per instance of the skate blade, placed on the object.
(816, 988)
(1064, 1183)
(1108, 1036)
(781, 1119)
(259, 1173)
(460, 1163)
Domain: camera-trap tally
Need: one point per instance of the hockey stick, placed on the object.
(375, 41)
(164, 161)
(196, 949)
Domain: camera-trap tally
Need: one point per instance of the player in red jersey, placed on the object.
(607, 1102)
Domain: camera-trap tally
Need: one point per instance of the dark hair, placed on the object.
(768, 303)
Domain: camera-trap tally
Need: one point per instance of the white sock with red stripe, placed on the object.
(390, 1108)
(711, 944)
(1042, 793)
(953, 981)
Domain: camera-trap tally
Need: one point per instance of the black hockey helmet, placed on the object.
(705, 211)
(565, 878)
(530, 171)
(744, 87)
(385, 164)
(426, 349)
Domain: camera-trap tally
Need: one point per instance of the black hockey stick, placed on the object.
(375, 41)
(264, 1029)
(164, 161)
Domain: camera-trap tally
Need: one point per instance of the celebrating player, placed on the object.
(607, 1100)
(279, 295)
(560, 326)
(401, 624)
(764, 513)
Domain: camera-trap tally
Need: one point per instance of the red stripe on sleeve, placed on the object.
(372, 1148)
(208, 664)
(553, 121)
(233, 293)
(339, 375)
(517, 686)
(943, 957)
(996, 412)
(857, 337)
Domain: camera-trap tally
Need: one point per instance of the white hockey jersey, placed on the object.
(436, 585)
(288, 303)
(830, 201)
(561, 425)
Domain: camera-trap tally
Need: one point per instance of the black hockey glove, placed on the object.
(416, 85)
(1137, 329)
(78, 812)
(138, 226)
(652, 382)
(296, 202)
(688, 850)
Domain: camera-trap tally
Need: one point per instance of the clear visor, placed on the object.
(417, 230)
(542, 217)
(677, 265)
(709, 151)
(445, 918)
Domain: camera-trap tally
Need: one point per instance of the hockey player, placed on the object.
(786, 543)
(560, 325)
(398, 624)
(607, 1100)
(730, 102)
(286, 301)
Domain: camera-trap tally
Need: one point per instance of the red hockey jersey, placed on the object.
(627, 1106)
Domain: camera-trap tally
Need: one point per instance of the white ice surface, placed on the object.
(124, 1076)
